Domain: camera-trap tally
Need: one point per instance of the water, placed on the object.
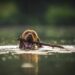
(32, 63)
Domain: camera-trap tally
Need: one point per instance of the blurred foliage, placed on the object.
(60, 15)
(54, 20)
(7, 10)
(37, 12)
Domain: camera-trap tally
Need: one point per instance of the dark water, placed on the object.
(29, 64)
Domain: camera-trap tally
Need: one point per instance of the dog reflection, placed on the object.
(30, 64)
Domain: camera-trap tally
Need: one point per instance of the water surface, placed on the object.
(37, 64)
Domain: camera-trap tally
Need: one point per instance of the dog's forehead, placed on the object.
(30, 31)
(27, 32)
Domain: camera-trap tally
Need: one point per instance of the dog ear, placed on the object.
(38, 39)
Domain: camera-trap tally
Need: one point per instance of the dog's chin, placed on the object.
(28, 45)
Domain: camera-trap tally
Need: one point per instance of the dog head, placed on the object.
(29, 36)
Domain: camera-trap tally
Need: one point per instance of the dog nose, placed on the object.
(30, 36)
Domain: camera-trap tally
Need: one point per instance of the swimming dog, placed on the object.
(27, 39)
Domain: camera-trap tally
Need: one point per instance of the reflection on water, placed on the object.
(32, 64)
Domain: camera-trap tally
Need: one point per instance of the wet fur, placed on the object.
(25, 35)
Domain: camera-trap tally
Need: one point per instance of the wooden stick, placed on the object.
(43, 44)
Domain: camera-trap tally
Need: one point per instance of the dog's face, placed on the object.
(29, 36)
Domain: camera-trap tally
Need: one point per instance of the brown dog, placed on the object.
(27, 38)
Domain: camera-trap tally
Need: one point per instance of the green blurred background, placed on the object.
(54, 20)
